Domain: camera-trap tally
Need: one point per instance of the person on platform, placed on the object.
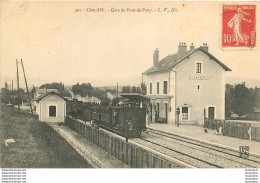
(147, 116)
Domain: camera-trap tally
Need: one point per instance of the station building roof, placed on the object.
(171, 61)
(134, 96)
(47, 94)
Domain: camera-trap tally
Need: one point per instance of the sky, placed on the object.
(60, 43)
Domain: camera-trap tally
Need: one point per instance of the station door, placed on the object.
(211, 111)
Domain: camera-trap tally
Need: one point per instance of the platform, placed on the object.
(197, 132)
(94, 155)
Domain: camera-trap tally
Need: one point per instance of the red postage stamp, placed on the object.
(238, 26)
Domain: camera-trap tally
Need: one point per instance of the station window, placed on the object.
(184, 112)
(52, 111)
(198, 67)
(198, 87)
(151, 88)
(158, 89)
(165, 87)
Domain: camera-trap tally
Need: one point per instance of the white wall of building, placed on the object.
(154, 78)
(160, 77)
(43, 108)
(212, 87)
(183, 89)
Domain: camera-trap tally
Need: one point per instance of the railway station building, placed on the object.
(192, 80)
(51, 107)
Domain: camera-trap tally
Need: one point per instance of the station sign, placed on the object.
(52, 100)
(199, 77)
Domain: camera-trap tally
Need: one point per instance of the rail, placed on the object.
(131, 153)
(226, 154)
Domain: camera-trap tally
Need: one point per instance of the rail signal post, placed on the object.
(178, 115)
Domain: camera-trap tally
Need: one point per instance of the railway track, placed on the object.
(196, 153)
(229, 151)
(189, 159)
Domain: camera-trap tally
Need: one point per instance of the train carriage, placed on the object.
(105, 115)
(80, 110)
(126, 120)
(96, 114)
(88, 112)
(130, 121)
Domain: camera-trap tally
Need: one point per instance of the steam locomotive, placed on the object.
(127, 120)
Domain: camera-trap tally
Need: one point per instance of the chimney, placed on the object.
(205, 47)
(192, 46)
(182, 49)
(156, 57)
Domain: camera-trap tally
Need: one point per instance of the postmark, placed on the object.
(238, 27)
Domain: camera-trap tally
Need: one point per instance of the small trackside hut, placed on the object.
(51, 107)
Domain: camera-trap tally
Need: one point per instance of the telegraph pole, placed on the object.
(12, 93)
(18, 97)
(7, 92)
(27, 87)
(117, 94)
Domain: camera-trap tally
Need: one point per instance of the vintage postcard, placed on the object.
(126, 85)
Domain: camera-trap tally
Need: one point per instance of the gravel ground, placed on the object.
(252, 160)
(197, 132)
(176, 155)
(201, 154)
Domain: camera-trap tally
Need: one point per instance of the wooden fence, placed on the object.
(128, 152)
(235, 129)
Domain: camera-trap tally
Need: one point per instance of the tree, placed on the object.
(65, 93)
(33, 91)
(126, 89)
(4, 95)
(229, 97)
(257, 97)
(243, 101)
(21, 91)
(112, 91)
(58, 86)
(16, 101)
(85, 89)
(129, 89)
(133, 89)
(138, 90)
(76, 89)
(101, 94)
(143, 88)
(6, 85)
